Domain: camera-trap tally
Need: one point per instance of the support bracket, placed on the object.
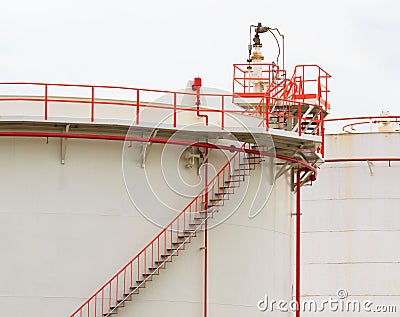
(146, 148)
(64, 145)
(370, 167)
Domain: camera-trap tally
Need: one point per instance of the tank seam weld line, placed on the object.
(352, 198)
(343, 263)
(344, 231)
(352, 295)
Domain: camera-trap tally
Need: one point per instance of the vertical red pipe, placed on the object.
(206, 237)
(298, 236)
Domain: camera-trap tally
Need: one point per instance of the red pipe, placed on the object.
(361, 118)
(206, 237)
(151, 140)
(196, 87)
(363, 159)
(298, 236)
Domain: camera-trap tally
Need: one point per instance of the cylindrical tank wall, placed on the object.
(351, 223)
(66, 229)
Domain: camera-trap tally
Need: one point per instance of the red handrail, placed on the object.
(93, 102)
(319, 91)
(168, 241)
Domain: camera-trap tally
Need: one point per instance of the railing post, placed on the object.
(45, 102)
(137, 106)
(223, 113)
(299, 115)
(92, 110)
(174, 109)
(323, 136)
(267, 102)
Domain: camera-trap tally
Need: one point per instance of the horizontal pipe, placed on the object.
(361, 118)
(363, 159)
(150, 140)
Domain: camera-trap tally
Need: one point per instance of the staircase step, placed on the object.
(216, 199)
(226, 190)
(185, 236)
(136, 291)
(149, 274)
(205, 212)
(167, 256)
(156, 268)
(141, 285)
(233, 181)
(228, 187)
(236, 175)
(215, 203)
(124, 300)
(253, 157)
(199, 224)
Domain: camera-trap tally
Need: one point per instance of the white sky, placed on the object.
(161, 44)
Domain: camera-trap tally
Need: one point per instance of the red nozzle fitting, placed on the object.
(196, 83)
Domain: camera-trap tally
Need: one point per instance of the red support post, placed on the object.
(137, 106)
(45, 102)
(174, 109)
(223, 112)
(92, 110)
(299, 117)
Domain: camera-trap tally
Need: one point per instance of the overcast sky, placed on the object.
(161, 44)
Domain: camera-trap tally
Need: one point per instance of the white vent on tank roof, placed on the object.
(388, 124)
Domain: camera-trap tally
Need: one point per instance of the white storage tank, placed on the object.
(68, 224)
(351, 224)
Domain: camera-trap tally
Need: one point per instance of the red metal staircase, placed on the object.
(298, 104)
(171, 241)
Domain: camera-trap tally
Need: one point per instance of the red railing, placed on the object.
(288, 114)
(312, 83)
(243, 81)
(170, 101)
(358, 121)
(168, 243)
(93, 97)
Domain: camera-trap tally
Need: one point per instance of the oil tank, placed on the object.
(351, 225)
(68, 222)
